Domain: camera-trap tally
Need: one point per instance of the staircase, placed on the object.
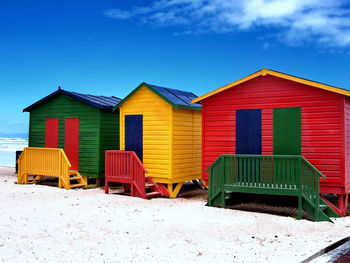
(290, 175)
(151, 189)
(322, 212)
(35, 163)
(76, 180)
(126, 168)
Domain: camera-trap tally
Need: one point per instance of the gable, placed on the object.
(144, 99)
(267, 72)
(176, 98)
(63, 103)
(100, 102)
(270, 91)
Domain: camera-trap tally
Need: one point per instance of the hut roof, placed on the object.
(100, 102)
(179, 99)
(270, 72)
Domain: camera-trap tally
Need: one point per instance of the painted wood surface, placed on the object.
(71, 141)
(171, 137)
(156, 130)
(322, 125)
(109, 135)
(187, 141)
(287, 131)
(98, 130)
(248, 131)
(347, 143)
(134, 134)
(51, 133)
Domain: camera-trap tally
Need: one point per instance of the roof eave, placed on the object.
(189, 107)
(265, 72)
(144, 84)
(35, 104)
(71, 95)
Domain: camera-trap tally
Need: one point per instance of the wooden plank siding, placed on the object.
(186, 143)
(267, 131)
(62, 106)
(347, 143)
(109, 135)
(321, 112)
(156, 130)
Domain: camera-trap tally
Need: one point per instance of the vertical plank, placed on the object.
(134, 134)
(248, 131)
(287, 131)
(51, 133)
(71, 141)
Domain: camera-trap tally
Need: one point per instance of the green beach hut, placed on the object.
(81, 124)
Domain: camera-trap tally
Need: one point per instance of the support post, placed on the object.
(174, 191)
(300, 190)
(222, 181)
(343, 203)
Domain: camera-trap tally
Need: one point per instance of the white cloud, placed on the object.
(326, 22)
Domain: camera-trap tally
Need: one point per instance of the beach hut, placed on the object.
(164, 130)
(83, 125)
(270, 113)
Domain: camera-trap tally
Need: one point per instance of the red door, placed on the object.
(71, 142)
(51, 133)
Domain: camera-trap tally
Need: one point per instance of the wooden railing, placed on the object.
(44, 162)
(125, 167)
(265, 174)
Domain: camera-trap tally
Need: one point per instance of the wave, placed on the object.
(13, 144)
(8, 148)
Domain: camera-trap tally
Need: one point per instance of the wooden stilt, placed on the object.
(173, 192)
(343, 203)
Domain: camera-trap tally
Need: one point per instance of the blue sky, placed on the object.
(109, 47)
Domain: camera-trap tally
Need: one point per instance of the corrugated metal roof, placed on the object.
(101, 102)
(178, 97)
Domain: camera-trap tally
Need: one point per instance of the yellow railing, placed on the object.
(44, 162)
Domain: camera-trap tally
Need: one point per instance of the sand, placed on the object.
(40, 223)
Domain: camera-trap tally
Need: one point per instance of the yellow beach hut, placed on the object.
(164, 129)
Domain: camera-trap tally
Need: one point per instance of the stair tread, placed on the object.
(76, 185)
(74, 178)
(151, 194)
(149, 185)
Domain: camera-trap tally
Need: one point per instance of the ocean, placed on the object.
(8, 148)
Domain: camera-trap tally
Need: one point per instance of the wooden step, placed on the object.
(76, 185)
(152, 194)
(33, 181)
(323, 207)
(74, 178)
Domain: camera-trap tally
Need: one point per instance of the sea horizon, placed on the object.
(8, 148)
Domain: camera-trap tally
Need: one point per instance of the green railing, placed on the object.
(265, 174)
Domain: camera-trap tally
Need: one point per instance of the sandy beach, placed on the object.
(39, 223)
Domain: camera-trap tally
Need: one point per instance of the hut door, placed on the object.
(248, 131)
(287, 131)
(134, 134)
(51, 133)
(71, 142)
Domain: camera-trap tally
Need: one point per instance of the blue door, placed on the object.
(134, 134)
(248, 131)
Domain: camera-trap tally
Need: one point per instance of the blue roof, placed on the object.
(100, 102)
(178, 97)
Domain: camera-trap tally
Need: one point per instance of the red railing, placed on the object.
(125, 167)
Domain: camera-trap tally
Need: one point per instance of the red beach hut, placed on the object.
(272, 113)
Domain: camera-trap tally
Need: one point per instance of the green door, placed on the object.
(287, 131)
